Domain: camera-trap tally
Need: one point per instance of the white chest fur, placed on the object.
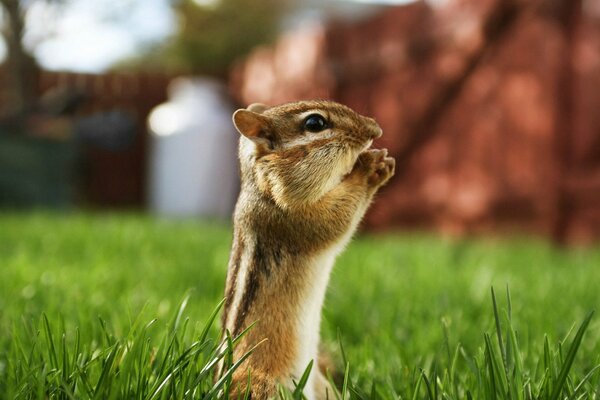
(309, 315)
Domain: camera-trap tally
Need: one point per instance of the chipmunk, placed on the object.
(307, 177)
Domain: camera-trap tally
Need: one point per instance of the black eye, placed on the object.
(315, 123)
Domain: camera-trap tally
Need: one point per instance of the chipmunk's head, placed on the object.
(298, 151)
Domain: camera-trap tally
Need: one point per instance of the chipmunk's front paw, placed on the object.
(377, 167)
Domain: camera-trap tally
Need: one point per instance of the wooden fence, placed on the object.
(112, 178)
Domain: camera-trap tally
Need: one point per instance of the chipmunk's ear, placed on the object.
(258, 108)
(253, 125)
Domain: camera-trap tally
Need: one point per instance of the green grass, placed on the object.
(91, 307)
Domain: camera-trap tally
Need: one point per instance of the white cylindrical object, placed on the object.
(193, 167)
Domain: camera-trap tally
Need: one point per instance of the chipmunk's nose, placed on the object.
(374, 129)
(376, 132)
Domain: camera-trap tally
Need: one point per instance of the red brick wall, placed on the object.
(490, 106)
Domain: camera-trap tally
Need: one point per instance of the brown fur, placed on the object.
(301, 194)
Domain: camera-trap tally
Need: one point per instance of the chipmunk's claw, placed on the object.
(383, 170)
(377, 166)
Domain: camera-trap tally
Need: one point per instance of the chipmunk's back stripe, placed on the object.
(251, 288)
(234, 265)
(261, 264)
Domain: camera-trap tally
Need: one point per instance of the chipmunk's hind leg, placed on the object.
(323, 388)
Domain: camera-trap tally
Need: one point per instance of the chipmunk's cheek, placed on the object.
(351, 162)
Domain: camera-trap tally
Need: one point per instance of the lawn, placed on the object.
(90, 307)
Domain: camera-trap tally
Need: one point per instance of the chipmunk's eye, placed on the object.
(315, 123)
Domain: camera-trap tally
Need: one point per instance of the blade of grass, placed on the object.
(499, 332)
(490, 364)
(427, 385)
(417, 387)
(301, 384)
(217, 386)
(336, 393)
(568, 362)
(211, 319)
(182, 305)
(518, 362)
(100, 388)
(51, 348)
(346, 381)
(341, 344)
(585, 379)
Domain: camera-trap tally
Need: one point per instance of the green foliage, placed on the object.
(90, 308)
(209, 38)
(172, 365)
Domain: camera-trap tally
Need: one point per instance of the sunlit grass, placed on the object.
(90, 308)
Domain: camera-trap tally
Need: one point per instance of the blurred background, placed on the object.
(491, 107)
